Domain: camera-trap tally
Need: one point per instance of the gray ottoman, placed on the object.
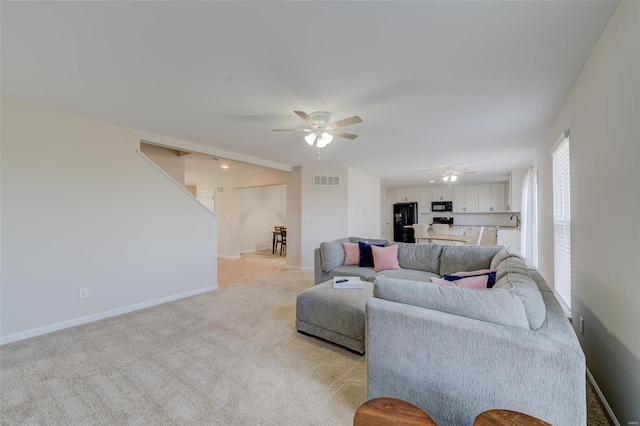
(334, 314)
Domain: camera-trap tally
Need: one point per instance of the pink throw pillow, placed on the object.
(351, 253)
(477, 282)
(385, 258)
(442, 281)
(478, 272)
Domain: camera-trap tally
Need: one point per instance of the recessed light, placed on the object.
(225, 166)
(432, 181)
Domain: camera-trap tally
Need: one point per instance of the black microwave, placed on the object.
(441, 206)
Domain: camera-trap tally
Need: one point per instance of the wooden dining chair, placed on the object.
(283, 240)
(277, 238)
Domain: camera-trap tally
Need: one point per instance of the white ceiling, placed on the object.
(470, 84)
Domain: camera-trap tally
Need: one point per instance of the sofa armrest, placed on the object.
(319, 275)
(455, 367)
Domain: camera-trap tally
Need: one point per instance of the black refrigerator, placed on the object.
(404, 214)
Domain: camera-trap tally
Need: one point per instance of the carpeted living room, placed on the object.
(230, 357)
(319, 212)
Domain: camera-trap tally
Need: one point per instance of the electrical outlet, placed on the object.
(581, 325)
(83, 292)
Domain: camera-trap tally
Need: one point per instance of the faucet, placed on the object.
(517, 220)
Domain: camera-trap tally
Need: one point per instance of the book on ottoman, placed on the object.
(347, 282)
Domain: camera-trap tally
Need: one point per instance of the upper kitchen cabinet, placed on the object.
(492, 198)
(441, 193)
(406, 195)
(459, 205)
(465, 199)
(424, 203)
(514, 189)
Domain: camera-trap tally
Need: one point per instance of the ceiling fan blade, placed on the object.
(344, 135)
(463, 172)
(346, 122)
(305, 117)
(292, 130)
(430, 170)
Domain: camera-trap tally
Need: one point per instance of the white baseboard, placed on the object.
(99, 316)
(224, 256)
(603, 399)
(292, 267)
(307, 268)
(255, 250)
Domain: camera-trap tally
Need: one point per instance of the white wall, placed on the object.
(294, 221)
(81, 208)
(602, 112)
(363, 204)
(260, 210)
(324, 210)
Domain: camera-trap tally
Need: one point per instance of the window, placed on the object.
(562, 221)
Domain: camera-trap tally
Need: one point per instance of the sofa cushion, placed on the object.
(421, 257)
(406, 274)
(385, 258)
(351, 253)
(366, 255)
(496, 306)
(466, 258)
(474, 281)
(490, 281)
(332, 254)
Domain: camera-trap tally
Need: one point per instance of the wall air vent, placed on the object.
(326, 181)
(220, 189)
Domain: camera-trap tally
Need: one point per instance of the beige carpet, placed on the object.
(266, 256)
(229, 357)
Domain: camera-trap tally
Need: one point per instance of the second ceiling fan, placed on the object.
(322, 131)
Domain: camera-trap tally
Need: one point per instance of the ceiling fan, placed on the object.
(449, 173)
(322, 130)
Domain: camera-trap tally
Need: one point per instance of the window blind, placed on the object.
(562, 220)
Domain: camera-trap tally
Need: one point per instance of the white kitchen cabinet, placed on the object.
(488, 234)
(436, 193)
(471, 232)
(509, 237)
(406, 195)
(459, 204)
(499, 197)
(492, 198)
(514, 189)
(447, 193)
(465, 199)
(471, 198)
(442, 193)
(424, 203)
(489, 237)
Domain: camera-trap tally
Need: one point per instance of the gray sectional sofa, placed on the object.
(455, 352)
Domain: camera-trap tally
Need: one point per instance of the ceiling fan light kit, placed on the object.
(322, 131)
(319, 138)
